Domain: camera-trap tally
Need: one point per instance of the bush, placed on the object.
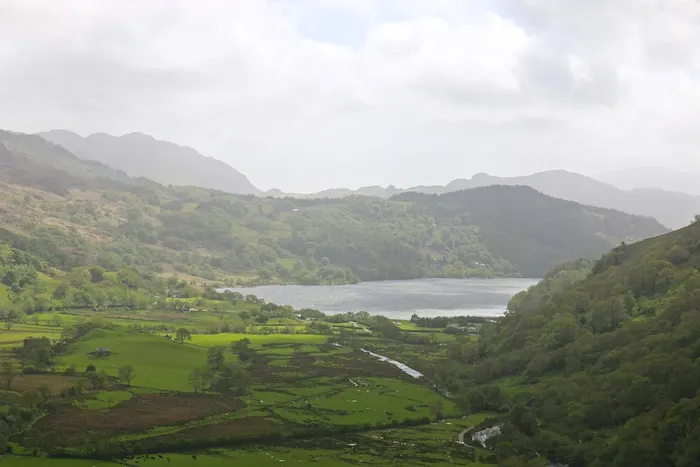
(30, 370)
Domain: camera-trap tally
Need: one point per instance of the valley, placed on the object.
(133, 334)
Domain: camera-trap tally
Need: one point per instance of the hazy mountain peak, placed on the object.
(142, 155)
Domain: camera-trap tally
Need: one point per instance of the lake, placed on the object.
(399, 299)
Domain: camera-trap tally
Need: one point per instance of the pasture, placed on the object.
(300, 387)
(159, 363)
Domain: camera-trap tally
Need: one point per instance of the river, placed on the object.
(399, 299)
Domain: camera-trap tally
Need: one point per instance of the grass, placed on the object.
(298, 384)
(158, 363)
(379, 399)
(19, 336)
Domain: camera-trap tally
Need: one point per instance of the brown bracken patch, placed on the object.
(355, 364)
(140, 413)
(251, 426)
(55, 382)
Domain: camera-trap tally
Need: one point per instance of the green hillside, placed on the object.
(596, 369)
(74, 213)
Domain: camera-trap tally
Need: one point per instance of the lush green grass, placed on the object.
(67, 319)
(379, 399)
(20, 335)
(158, 363)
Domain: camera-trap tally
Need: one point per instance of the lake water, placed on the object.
(399, 299)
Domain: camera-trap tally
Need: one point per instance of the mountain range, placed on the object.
(141, 155)
(653, 177)
(84, 212)
(673, 209)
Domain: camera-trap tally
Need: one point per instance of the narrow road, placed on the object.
(460, 437)
(462, 434)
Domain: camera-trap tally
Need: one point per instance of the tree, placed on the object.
(215, 357)
(126, 374)
(56, 321)
(96, 378)
(200, 379)
(232, 379)
(97, 274)
(11, 318)
(242, 349)
(436, 409)
(182, 334)
(9, 370)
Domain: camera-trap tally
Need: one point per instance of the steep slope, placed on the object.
(533, 230)
(596, 369)
(141, 155)
(30, 160)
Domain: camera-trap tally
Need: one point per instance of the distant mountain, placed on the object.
(672, 209)
(32, 161)
(533, 230)
(653, 177)
(141, 155)
(83, 212)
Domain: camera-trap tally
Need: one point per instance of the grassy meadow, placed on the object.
(301, 389)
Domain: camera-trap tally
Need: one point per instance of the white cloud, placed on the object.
(308, 94)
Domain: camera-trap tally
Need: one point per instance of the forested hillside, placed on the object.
(598, 364)
(75, 213)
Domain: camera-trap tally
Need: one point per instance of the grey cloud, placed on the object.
(416, 92)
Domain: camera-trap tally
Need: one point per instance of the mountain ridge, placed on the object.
(672, 209)
(484, 232)
(142, 155)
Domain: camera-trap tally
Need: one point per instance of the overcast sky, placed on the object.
(309, 94)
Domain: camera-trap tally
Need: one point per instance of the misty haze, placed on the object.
(349, 232)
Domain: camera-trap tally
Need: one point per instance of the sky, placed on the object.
(304, 95)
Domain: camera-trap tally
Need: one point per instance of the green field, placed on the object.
(299, 384)
(158, 363)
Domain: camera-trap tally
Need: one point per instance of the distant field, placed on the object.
(158, 363)
(432, 445)
(299, 385)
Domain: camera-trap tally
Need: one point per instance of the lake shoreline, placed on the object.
(399, 299)
(275, 283)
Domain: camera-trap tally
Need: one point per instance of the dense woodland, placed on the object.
(598, 364)
(73, 213)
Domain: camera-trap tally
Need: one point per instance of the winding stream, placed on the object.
(401, 366)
